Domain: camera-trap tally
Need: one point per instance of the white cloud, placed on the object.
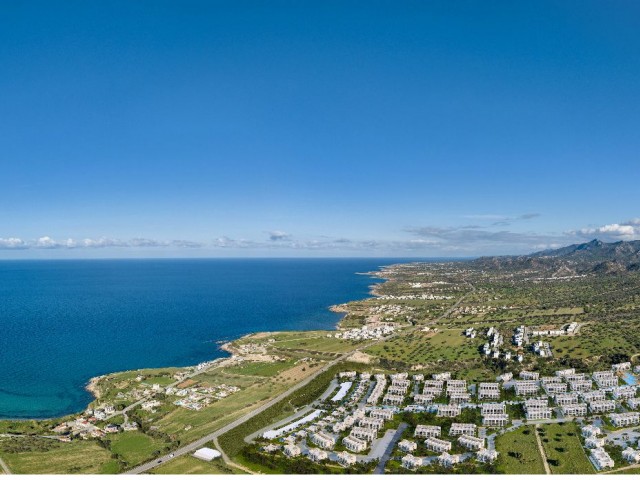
(12, 242)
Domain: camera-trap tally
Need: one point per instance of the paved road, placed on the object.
(5, 467)
(379, 470)
(221, 431)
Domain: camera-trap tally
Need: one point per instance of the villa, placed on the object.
(427, 431)
(437, 445)
(470, 442)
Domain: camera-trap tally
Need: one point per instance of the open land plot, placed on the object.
(189, 425)
(421, 347)
(259, 369)
(38, 456)
(189, 465)
(135, 447)
(519, 452)
(561, 442)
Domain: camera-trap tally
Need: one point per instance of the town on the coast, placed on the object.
(498, 365)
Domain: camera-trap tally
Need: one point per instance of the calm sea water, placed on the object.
(63, 322)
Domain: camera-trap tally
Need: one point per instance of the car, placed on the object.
(159, 461)
(171, 456)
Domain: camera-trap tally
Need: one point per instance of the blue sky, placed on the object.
(300, 128)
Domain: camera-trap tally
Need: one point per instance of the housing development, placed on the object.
(497, 365)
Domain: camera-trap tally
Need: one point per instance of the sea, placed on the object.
(65, 321)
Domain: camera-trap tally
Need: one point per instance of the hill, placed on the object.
(591, 257)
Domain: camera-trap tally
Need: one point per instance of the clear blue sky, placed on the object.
(402, 128)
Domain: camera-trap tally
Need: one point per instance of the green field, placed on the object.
(187, 464)
(37, 456)
(563, 449)
(135, 447)
(259, 369)
(519, 452)
(420, 347)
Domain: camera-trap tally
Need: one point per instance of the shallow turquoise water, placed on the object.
(64, 322)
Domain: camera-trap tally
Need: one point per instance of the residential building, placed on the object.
(346, 459)
(427, 431)
(471, 442)
(602, 406)
(407, 446)
(495, 420)
(492, 408)
(448, 460)
(601, 459)
(323, 440)
(625, 419)
(437, 444)
(631, 455)
(489, 390)
(354, 444)
(291, 450)
(449, 410)
(486, 456)
(411, 463)
(462, 429)
(317, 455)
(575, 410)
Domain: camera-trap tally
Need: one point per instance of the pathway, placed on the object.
(547, 470)
(5, 467)
(379, 470)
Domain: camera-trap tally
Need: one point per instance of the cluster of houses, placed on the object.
(371, 401)
(566, 330)
(366, 332)
(196, 398)
(86, 426)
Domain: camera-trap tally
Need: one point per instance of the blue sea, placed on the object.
(65, 321)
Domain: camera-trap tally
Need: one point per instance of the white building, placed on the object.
(354, 444)
(470, 442)
(591, 431)
(495, 420)
(462, 429)
(525, 375)
(346, 459)
(486, 456)
(448, 460)
(601, 459)
(449, 410)
(207, 454)
(526, 387)
(437, 444)
(411, 463)
(407, 446)
(317, 455)
(492, 408)
(575, 410)
(625, 419)
(489, 390)
(427, 431)
(631, 455)
(291, 450)
(628, 391)
(602, 406)
(323, 440)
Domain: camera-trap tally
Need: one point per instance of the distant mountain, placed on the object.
(595, 256)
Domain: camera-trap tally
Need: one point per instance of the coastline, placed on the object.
(93, 384)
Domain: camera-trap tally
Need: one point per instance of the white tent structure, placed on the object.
(207, 454)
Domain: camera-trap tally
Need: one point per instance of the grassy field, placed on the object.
(187, 464)
(135, 447)
(422, 347)
(259, 369)
(519, 452)
(29, 457)
(563, 449)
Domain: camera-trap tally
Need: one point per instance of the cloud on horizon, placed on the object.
(427, 240)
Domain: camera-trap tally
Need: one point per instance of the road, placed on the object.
(4, 467)
(230, 426)
(221, 431)
(379, 470)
